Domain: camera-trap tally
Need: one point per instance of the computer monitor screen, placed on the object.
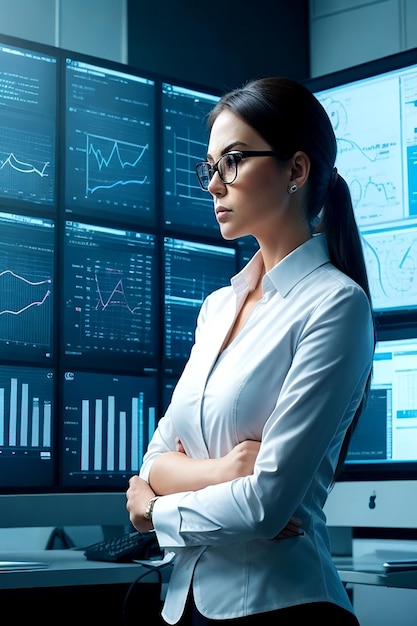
(378, 484)
(110, 143)
(375, 120)
(26, 427)
(192, 270)
(26, 287)
(110, 314)
(28, 100)
(107, 420)
(387, 430)
(187, 208)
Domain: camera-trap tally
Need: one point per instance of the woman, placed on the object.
(260, 419)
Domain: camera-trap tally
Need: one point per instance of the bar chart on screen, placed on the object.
(26, 424)
(108, 420)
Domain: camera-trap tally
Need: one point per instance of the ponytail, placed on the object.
(343, 238)
(346, 253)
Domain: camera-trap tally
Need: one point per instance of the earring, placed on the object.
(292, 188)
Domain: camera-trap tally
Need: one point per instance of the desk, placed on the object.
(369, 571)
(88, 592)
(380, 598)
(69, 568)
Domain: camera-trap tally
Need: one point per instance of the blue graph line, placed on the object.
(114, 157)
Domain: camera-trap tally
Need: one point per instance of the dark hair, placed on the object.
(290, 118)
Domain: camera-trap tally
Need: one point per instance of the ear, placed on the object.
(300, 168)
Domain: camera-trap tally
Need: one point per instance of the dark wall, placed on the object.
(219, 44)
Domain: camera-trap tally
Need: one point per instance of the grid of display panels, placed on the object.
(108, 248)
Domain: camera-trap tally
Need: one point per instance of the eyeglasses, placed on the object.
(226, 166)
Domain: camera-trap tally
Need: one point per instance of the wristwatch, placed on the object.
(149, 508)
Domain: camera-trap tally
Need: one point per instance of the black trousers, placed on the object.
(321, 613)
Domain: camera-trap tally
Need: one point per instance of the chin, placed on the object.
(229, 235)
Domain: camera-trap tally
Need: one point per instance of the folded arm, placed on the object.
(174, 471)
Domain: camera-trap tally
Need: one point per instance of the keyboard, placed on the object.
(132, 546)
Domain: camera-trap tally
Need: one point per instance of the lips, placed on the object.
(222, 212)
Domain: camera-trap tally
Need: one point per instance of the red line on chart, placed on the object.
(103, 304)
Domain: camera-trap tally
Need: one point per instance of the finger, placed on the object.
(290, 533)
(292, 528)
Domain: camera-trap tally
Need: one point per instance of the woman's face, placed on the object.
(257, 201)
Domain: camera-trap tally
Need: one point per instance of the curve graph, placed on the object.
(27, 168)
(112, 163)
(25, 311)
(115, 297)
(368, 155)
(391, 259)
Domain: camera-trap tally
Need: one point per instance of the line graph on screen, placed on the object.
(112, 163)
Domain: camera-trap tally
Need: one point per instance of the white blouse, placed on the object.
(292, 379)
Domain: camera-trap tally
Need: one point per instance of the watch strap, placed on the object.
(149, 508)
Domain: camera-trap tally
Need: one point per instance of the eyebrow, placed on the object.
(227, 149)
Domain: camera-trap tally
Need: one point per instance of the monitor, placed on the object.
(110, 297)
(192, 270)
(378, 485)
(27, 266)
(28, 126)
(27, 429)
(373, 112)
(387, 431)
(107, 421)
(375, 489)
(186, 207)
(110, 159)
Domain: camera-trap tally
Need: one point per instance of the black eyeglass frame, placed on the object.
(237, 155)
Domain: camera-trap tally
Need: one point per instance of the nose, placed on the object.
(216, 186)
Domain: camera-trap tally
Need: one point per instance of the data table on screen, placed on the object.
(387, 430)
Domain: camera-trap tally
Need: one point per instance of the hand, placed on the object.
(292, 529)
(240, 461)
(179, 446)
(138, 495)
